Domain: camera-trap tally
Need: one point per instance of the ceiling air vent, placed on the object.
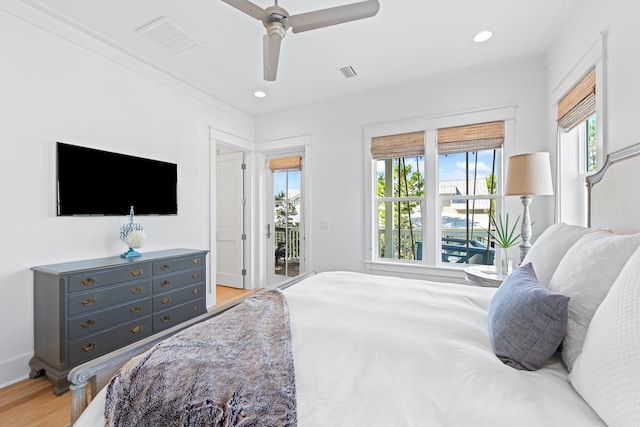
(348, 71)
(168, 35)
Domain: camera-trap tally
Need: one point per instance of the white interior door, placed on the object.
(230, 220)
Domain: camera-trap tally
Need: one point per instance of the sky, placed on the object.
(452, 166)
(280, 181)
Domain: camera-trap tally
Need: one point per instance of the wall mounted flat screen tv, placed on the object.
(97, 182)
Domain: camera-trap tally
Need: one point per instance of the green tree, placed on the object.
(591, 143)
(285, 211)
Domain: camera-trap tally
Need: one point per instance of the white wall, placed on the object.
(56, 88)
(338, 157)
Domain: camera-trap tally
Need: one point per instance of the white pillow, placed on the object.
(549, 249)
(586, 274)
(607, 373)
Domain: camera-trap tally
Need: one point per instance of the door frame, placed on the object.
(264, 151)
(234, 143)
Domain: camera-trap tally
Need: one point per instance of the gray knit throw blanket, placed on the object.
(235, 369)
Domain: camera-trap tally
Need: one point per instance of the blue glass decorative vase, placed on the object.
(133, 236)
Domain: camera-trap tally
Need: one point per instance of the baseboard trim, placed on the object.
(14, 370)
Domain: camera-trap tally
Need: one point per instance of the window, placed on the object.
(467, 194)
(578, 148)
(399, 185)
(468, 174)
(463, 197)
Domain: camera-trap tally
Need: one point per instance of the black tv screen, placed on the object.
(97, 182)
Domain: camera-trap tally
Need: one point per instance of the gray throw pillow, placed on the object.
(526, 320)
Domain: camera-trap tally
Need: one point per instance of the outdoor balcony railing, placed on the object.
(456, 248)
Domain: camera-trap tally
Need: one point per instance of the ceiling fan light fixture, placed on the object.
(482, 36)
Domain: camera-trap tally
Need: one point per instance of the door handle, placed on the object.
(268, 231)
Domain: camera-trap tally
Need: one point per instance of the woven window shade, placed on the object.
(579, 103)
(285, 163)
(481, 136)
(396, 146)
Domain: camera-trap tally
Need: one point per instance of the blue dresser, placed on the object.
(86, 309)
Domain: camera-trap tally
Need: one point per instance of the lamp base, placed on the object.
(525, 230)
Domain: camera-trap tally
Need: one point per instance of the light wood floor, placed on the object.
(31, 403)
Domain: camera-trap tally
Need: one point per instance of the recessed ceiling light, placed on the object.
(259, 94)
(482, 36)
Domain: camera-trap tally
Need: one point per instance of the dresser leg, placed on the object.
(58, 378)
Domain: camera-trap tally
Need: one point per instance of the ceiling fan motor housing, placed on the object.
(276, 29)
(276, 21)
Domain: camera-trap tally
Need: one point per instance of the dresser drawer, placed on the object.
(179, 314)
(179, 296)
(93, 322)
(84, 302)
(169, 282)
(103, 342)
(177, 264)
(96, 279)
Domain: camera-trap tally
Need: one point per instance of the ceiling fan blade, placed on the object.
(249, 8)
(332, 16)
(271, 51)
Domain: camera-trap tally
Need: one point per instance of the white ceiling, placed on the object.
(407, 39)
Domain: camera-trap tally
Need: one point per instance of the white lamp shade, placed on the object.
(529, 175)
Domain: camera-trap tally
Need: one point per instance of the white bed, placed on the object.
(371, 351)
(381, 351)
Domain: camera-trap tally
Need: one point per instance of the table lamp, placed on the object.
(528, 175)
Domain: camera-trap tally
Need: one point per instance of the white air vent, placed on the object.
(348, 71)
(168, 35)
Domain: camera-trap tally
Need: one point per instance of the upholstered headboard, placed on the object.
(612, 197)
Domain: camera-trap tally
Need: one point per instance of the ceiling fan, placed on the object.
(277, 21)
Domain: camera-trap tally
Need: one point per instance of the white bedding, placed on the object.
(380, 351)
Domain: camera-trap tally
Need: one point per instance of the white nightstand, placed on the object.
(483, 275)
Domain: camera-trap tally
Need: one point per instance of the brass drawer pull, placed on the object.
(137, 272)
(165, 300)
(89, 323)
(136, 329)
(136, 290)
(195, 275)
(89, 347)
(89, 301)
(195, 307)
(165, 283)
(136, 309)
(165, 319)
(165, 267)
(195, 261)
(89, 281)
(195, 291)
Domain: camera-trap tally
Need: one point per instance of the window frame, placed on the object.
(394, 199)
(592, 58)
(432, 201)
(470, 198)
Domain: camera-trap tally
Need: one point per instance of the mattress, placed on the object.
(382, 351)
